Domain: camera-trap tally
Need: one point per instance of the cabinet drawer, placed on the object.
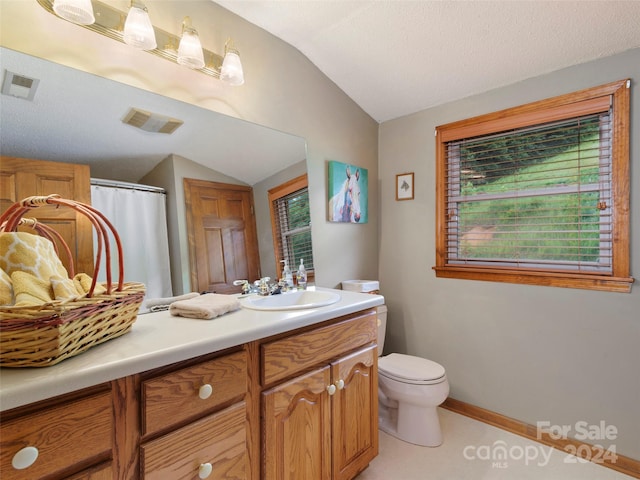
(285, 357)
(181, 395)
(65, 434)
(219, 440)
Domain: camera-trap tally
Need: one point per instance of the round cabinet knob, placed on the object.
(24, 458)
(340, 384)
(205, 392)
(205, 470)
(331, 389)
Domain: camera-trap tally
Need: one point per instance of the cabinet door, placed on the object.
(297, 428)
(21, 178)
(355, 412)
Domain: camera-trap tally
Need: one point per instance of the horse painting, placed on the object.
(344, 205)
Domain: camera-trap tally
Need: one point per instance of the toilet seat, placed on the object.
(410, 369)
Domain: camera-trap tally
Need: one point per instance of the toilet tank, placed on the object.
(362, 286)
(382, 327)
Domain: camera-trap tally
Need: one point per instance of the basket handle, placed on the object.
(10, 220)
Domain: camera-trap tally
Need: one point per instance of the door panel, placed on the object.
(21, 178)
(223, 244)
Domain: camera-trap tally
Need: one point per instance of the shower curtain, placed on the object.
(139, 216)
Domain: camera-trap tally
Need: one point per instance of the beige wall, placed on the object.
(283, 90)
(528, 352)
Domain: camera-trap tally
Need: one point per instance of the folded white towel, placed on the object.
(206, 307)
(166, 301)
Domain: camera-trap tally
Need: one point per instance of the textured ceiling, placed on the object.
(397, 57)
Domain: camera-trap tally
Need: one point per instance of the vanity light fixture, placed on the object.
(190, 50)
(138, 31)
(110, 22)
(76, 11)
(231, 71)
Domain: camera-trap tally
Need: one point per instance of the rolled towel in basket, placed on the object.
(159, 304)
(205, 307)
(30, 290)
(82, 281)
(26, 252)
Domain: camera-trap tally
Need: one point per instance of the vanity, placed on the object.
(252, 394)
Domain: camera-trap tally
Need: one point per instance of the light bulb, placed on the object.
(231, 71)
(138, 30)
(190, 50)
(76, 11)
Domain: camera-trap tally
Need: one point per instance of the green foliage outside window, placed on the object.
(512, 205)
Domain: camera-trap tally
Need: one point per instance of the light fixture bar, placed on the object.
(110, 23)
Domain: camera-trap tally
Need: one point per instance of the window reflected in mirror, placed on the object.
(291, 225)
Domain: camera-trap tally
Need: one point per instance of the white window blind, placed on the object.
(292, 229)
(533, 197)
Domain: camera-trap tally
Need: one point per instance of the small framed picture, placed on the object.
(404, 186)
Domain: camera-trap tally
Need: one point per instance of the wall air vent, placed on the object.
(151, 122)
(19, 86)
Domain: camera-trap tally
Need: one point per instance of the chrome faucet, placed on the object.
(261, 287)
(247, 288)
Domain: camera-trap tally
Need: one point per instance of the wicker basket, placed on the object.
(47, 334)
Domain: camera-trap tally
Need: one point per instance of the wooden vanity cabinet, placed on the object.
(301, 405)
(323, 422)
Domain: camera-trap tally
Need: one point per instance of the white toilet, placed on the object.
(409, 391)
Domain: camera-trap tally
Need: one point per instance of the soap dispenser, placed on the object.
(302, 276)
(287, 276)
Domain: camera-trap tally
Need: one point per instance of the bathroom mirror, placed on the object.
(77, 117)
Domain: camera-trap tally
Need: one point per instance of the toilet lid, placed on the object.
(409, 368)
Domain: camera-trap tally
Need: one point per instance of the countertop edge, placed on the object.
(147, 347)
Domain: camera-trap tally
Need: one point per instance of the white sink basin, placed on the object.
(297, 300)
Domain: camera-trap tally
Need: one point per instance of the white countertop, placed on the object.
(158, 339)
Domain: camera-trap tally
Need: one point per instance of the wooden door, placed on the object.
(355, 413)
(221, 229)
(297, 429)
(21, 178)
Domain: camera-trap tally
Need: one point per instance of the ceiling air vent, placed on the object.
(19, 86)
(151, 122)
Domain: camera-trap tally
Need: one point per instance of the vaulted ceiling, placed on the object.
(396, 57)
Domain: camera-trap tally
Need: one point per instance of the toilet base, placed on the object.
(412, 424)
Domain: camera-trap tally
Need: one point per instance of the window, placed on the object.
(538, 194)
(291, 225)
